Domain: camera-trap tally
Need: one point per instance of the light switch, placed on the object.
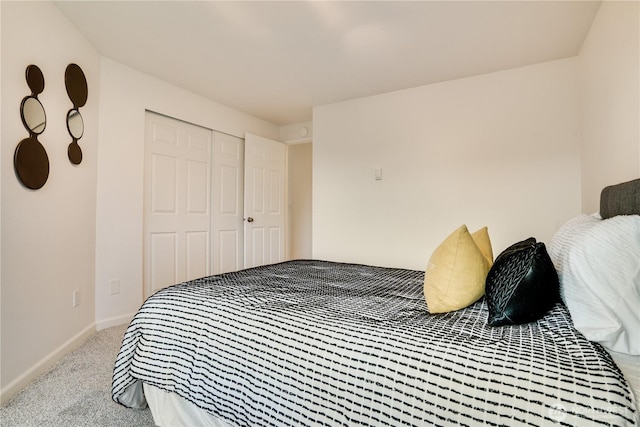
(378, 174)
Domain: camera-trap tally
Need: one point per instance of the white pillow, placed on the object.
(598, 264)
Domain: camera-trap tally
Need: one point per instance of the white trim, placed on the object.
(114, 321)
(15, 386)
(298, 141)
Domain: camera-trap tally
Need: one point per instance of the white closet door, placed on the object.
(177, 200)
(264, 201)
(227, 203)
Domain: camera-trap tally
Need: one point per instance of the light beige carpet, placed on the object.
(77, 391)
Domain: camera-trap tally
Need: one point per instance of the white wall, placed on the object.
(126, 94)
(48, 235)
(610, 91)
(299, 164)
(500, 149)
(84, 227)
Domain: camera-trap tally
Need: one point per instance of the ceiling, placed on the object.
(276, 60)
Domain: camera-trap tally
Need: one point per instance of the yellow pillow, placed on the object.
(481, 237)
(457, 271)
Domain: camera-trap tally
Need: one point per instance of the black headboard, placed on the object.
(620, 199)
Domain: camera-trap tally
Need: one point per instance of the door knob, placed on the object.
(249, 219)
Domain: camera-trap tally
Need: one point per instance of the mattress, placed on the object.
(323, 343)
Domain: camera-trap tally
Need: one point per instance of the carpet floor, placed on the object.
(76, 391)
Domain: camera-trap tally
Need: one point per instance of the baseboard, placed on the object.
(114, 321)
(15, 386)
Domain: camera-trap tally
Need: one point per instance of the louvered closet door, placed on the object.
(177, 200)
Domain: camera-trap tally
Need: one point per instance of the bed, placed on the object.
(322, 343)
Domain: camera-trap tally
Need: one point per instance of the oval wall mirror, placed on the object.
(33, 115)
(75, 124)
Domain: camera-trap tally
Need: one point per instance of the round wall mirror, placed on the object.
(33, 115)
(75, 124)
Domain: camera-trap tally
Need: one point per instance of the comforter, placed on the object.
(330, 344)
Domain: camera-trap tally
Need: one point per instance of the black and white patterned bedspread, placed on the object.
(326, 344)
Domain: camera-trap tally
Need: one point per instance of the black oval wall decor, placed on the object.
(76, 85)
(31, 163)
(30, 160)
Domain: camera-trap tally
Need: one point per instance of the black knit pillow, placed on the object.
(522, 284)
